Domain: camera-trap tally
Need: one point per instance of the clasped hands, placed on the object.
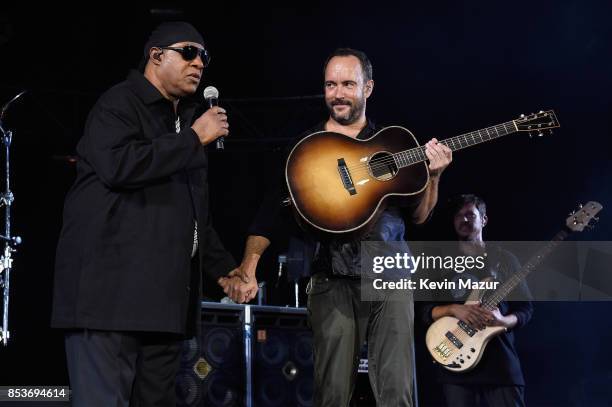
(240, 284)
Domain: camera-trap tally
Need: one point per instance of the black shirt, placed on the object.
(124, 254)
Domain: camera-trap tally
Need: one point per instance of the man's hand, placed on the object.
(238, 290)
(497, 319)
(249, 286)
(439, 155)
(211, 125)
(240, 285)
(476, 316)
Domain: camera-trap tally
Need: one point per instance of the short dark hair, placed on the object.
(366, 65)
(456, 202)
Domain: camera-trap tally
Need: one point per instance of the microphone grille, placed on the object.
(211, 93)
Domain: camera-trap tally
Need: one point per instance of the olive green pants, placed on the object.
(341, 322)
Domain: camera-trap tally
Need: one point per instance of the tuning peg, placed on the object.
(572, 213)
(580, 206)
(541, 111)
(540, 134)
(596, 218)
(522, 116)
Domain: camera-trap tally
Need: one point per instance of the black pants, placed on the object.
(493, 396)
(117, 369)
(341, 322)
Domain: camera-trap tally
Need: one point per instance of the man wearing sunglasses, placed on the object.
(137, 229)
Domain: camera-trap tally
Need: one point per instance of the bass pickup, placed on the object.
(466, 328)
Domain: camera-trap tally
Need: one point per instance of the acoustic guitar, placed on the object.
(337, 183)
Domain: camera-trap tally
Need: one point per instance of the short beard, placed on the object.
(353, 114)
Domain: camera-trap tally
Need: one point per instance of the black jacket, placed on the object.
(124, 254)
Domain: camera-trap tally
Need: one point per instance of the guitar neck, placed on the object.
(416, 155)
(507, 286)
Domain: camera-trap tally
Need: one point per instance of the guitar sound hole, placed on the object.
(382, 166)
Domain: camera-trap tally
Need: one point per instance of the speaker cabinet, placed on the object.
(247, 356)
(212, 371)
(282, 368)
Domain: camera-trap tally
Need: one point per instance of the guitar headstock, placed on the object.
(536, 123)
(580, 219)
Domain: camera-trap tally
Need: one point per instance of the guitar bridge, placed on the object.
(345, 176)
(443, 351)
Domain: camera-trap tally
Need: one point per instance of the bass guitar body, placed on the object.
(456, 345)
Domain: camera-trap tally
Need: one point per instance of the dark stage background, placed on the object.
(440, 68)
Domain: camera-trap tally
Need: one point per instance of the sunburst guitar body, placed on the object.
(337, 183)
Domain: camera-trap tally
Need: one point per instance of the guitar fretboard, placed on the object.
(417, 154)
(507, 286)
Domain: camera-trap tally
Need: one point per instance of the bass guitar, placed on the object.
(455, 344)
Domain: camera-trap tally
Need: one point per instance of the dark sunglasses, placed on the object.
(190, 52)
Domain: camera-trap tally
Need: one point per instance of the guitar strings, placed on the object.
(417, 154)
(508, 127)
(406, 158)
(515, 279)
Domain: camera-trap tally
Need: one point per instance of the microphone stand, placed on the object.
(10, 242)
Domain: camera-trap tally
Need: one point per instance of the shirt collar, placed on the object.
(150, 94)
(143, 88)
(366, 132)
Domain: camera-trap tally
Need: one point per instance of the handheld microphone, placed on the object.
(211, 95)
